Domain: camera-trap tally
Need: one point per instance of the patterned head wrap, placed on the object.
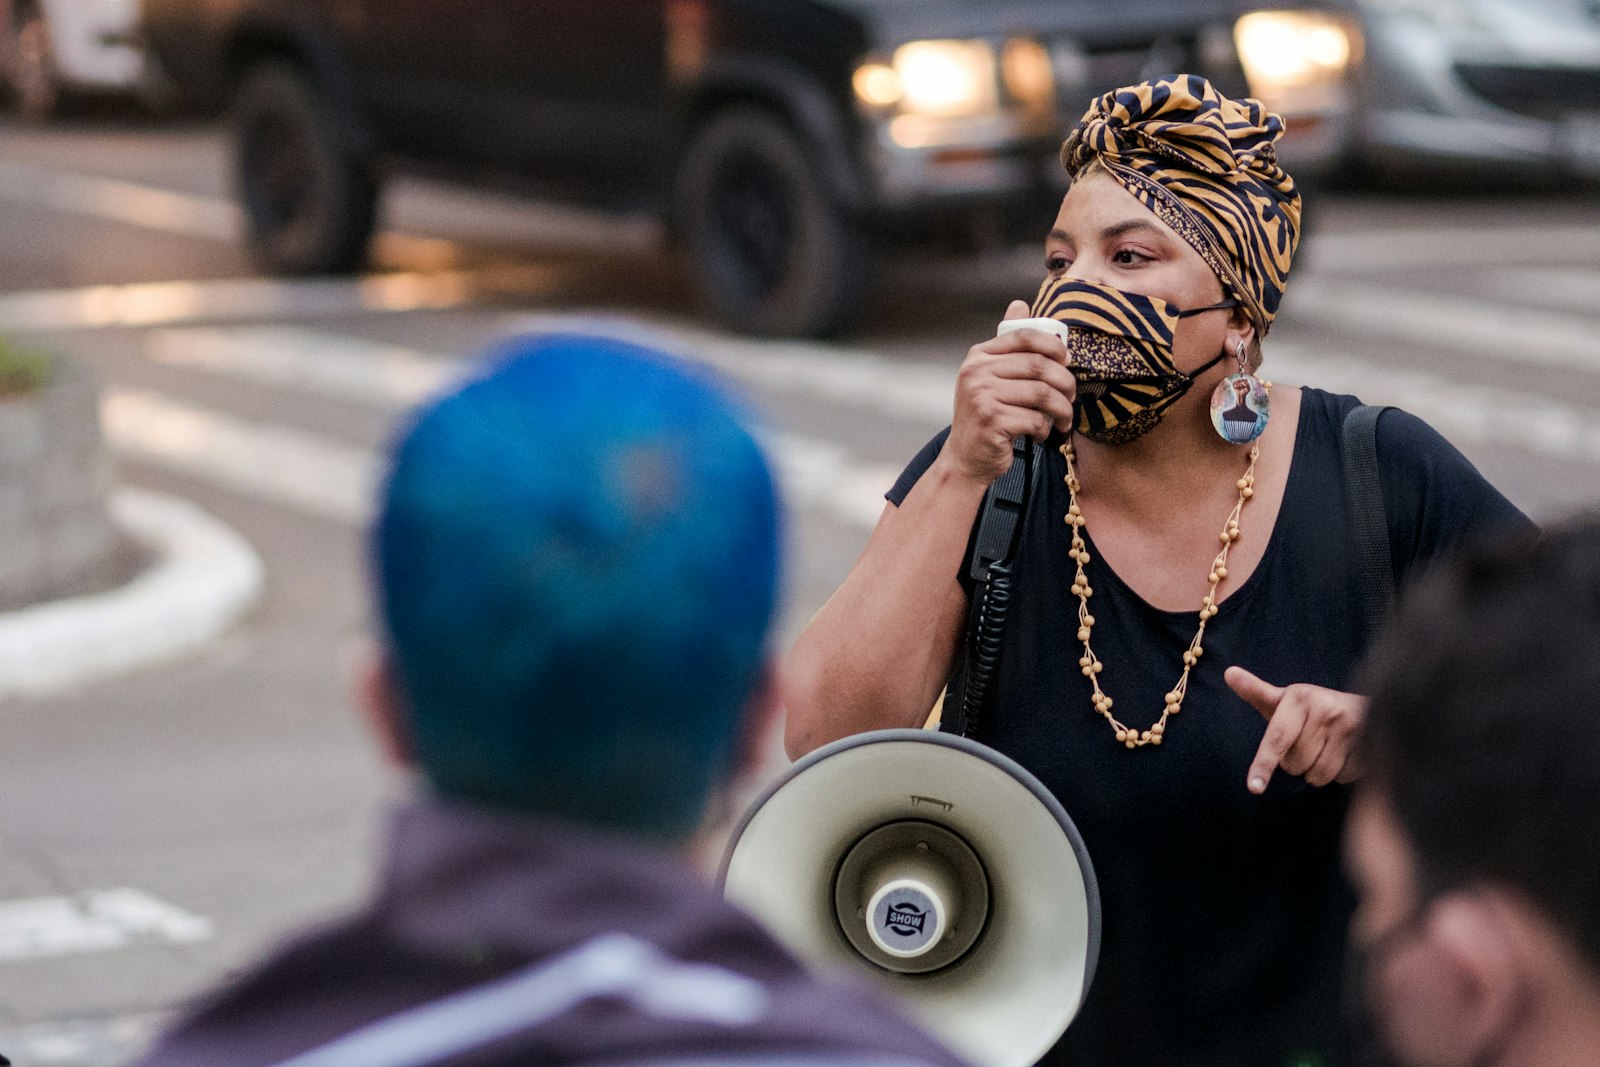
(1206, 166)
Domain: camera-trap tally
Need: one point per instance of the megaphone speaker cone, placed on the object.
(939, 867)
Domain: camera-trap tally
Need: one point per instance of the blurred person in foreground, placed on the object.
(1472, 837)
(576, 563)
(1187, 607)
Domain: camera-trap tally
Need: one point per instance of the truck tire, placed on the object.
(309, 197)
(769, 249)
(32, 80)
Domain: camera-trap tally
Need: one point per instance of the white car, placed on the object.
(1464, 85)
(50, 48)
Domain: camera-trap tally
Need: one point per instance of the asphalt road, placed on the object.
(234, 791)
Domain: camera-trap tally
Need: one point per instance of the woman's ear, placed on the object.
(1240, 330)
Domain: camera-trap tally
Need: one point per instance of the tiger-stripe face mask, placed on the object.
(1121, 349)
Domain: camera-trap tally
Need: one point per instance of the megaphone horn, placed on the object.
(940, 868)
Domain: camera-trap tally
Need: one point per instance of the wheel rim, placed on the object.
(752, 221)
(280, 173)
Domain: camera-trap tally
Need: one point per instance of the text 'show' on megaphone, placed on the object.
(941, 868)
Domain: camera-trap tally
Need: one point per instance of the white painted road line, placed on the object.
(1400, 248)
(119, 201)
(819, 474)
(1572, 289)
(828, 373)
(266, 460)
(82, 1042)
(334, 480)
(170, 303)
(1466, 414)
(93, 922)
(348, 368)
(203, 579)
(1491, 330)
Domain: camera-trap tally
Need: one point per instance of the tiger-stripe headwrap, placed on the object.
(1208, 168)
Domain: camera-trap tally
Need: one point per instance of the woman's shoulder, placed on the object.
(1434, 495)
(1403, 439)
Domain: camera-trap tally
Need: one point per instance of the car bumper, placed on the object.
(1455, 99)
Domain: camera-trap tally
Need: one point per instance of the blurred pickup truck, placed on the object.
(785, 143)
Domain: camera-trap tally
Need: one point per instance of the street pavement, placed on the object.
(158, 830)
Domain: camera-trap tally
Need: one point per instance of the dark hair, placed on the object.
(577, 565)
(1484, 727)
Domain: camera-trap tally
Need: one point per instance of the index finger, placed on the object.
(1028, 339)
(1283, 729)
(1261, 695)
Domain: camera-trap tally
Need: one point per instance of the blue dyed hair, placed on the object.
(577, 559)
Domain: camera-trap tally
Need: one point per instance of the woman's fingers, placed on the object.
(1030, 366)
(1049, 345)
(1310, 730)
(1261, 695)
(1043, 397)
(1329, 766)
(1283, 730)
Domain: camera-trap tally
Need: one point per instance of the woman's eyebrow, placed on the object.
(1122, 229)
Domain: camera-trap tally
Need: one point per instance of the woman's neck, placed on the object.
(1181, 462)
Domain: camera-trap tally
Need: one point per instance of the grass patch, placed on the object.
(23, 370)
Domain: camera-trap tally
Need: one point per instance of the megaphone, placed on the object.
(940, 868)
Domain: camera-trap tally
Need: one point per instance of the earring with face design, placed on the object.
(1239, 404)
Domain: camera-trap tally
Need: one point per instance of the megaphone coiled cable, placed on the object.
(987, 638)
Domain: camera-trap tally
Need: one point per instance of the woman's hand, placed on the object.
(1310, 730)
(1014, 385)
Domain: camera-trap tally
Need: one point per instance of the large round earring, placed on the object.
(1239, 405)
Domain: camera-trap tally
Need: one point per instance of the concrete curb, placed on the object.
(203, 579)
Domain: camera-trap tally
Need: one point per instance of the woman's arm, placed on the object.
(877, 654)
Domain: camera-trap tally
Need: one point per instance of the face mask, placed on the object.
(1121, 348)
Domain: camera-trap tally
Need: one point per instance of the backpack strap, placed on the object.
(1375, 562)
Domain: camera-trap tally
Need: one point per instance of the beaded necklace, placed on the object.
(1089, 662)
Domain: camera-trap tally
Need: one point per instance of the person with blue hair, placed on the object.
(576, 562)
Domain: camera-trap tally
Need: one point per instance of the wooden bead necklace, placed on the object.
(1089, 662)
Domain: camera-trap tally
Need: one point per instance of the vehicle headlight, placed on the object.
(1289, 50)
(940, 79)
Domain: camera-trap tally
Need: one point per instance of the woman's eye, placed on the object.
(1127, 257)
(1057, 263)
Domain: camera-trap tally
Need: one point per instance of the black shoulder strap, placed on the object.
(1360, 461)
(988, 564)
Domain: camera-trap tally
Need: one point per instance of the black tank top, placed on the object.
(1225, 913)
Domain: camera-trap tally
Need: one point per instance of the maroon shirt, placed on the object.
(499, 939)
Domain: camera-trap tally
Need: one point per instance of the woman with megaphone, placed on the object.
(1193, 583)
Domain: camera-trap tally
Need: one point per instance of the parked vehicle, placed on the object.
(1504, 84)
(52, 48)
(785, 142)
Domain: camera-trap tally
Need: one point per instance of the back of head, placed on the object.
(577, 566)
(1481, 732)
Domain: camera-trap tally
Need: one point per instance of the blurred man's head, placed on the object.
(1475, 836)
(577, 562)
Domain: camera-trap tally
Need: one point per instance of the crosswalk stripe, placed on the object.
(1574, 289)
(103, 921)
(1492, 330)
(325, 478)
(337, 481)
(819, 475)
(1397, 248)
